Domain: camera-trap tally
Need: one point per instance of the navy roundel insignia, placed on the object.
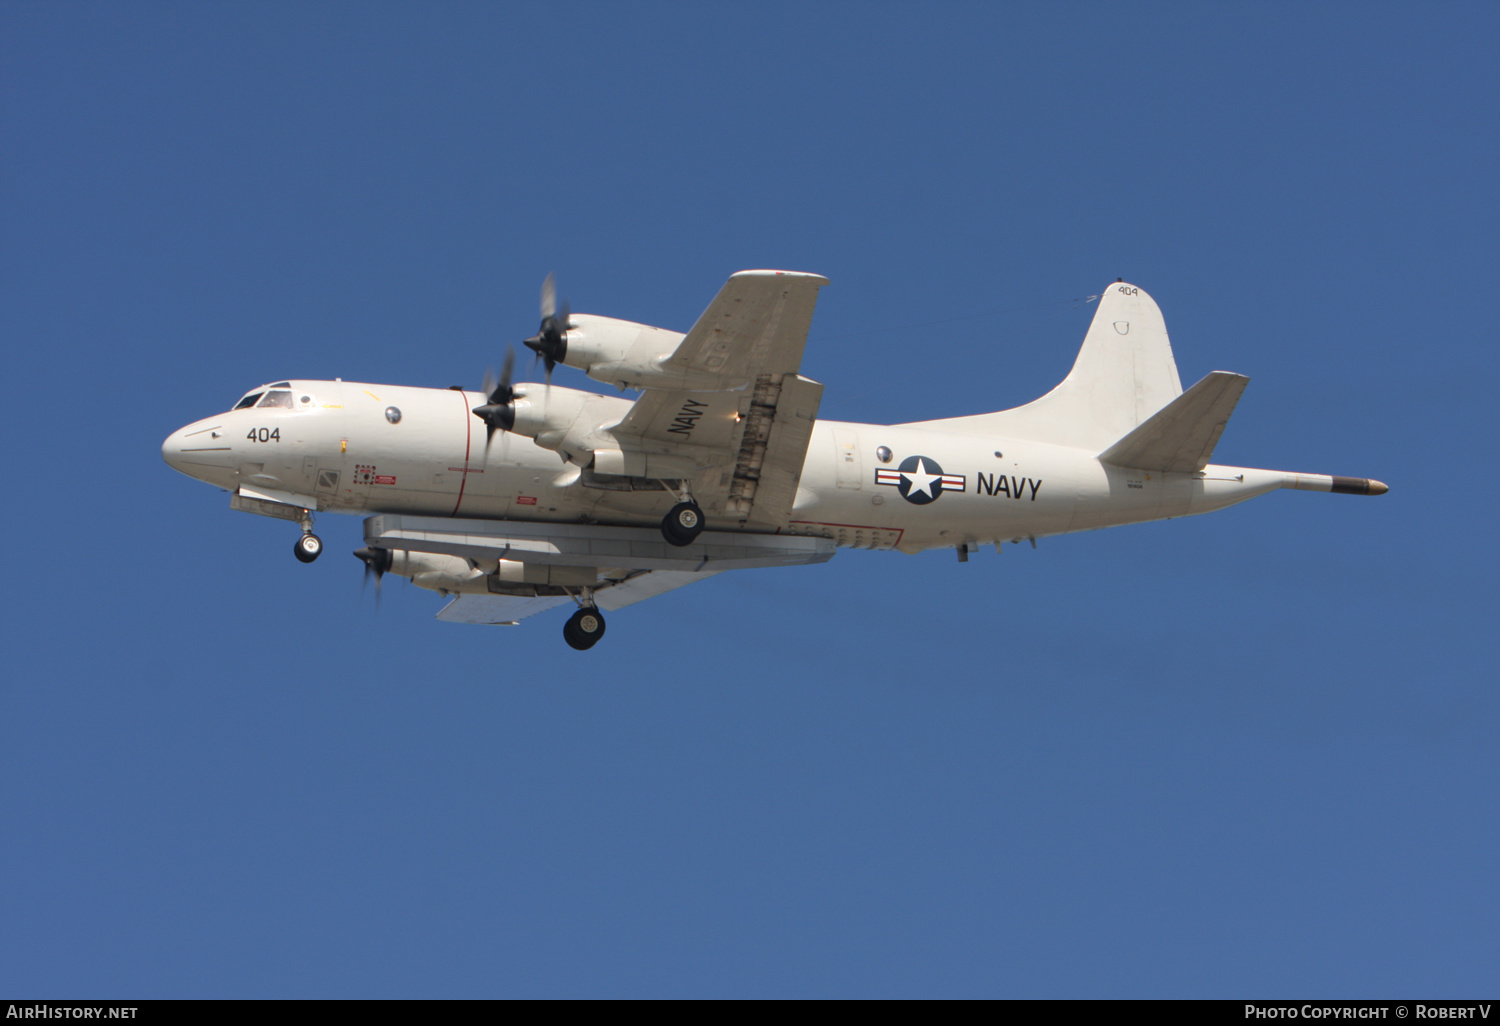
(920, 479)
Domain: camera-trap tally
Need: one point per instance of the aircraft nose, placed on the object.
(171, 450)
(197, 449)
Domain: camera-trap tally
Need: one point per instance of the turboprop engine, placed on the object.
(565, 420)
(431, 570)
(455, 575)
(620, 353)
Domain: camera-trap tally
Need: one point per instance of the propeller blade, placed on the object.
(550, 343)
(557, 352)
(549, 296)
(377, 561)
(500, 392)
(506, 369)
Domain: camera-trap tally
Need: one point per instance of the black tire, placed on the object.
(584, 628)
(682, 524)
(308, 548)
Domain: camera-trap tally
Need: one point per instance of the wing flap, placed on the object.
(768, 467)
(1180, 437)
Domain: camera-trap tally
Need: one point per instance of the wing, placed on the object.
(756, 325)
(508, 610)
(741, 450)
(644, 586)
(498, 610)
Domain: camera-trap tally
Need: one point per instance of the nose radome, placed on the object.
(197, 448)
(171, 450)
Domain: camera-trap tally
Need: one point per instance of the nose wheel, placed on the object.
(584, 628)
(682, 524)
(308, 548)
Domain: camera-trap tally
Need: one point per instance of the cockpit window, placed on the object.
(277, 398)
(248, 401)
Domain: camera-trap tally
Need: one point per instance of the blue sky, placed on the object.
(1245, 754)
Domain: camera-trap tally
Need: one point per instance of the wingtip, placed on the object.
(817, 279)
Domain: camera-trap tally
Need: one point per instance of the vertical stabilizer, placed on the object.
(1124, 373)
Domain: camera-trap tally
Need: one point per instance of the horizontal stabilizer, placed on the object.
(1181, 436)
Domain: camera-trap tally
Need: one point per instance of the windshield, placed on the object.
(272, 397)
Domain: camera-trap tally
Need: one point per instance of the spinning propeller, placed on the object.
(499, 412)
(377, 562)
(551, 343)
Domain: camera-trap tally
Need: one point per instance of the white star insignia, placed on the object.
(920, 480)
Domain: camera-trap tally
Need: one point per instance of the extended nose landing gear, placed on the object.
(308, 547)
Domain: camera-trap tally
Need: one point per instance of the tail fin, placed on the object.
(1124, 373)
(1181, 436)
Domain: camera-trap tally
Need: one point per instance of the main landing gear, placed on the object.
(682, 524)
(584, 628)
(308, 547)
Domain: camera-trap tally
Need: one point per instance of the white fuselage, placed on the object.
(337, 449)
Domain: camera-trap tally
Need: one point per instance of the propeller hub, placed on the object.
(375, 559)
(499, 416)
(551, 342)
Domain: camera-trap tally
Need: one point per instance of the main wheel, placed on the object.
(308, 548)
(584, 628)
(682, 524)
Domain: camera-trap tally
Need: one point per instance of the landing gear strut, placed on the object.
(682, 525)
(584, 628)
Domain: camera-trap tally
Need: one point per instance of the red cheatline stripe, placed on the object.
(463, 479)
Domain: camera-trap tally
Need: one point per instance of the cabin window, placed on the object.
(277, 399)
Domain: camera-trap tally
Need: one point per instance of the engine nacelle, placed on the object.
(455, 575)
(437, 572)
(569, 422)
(630, 355)
(510, 571)
(620, 353)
